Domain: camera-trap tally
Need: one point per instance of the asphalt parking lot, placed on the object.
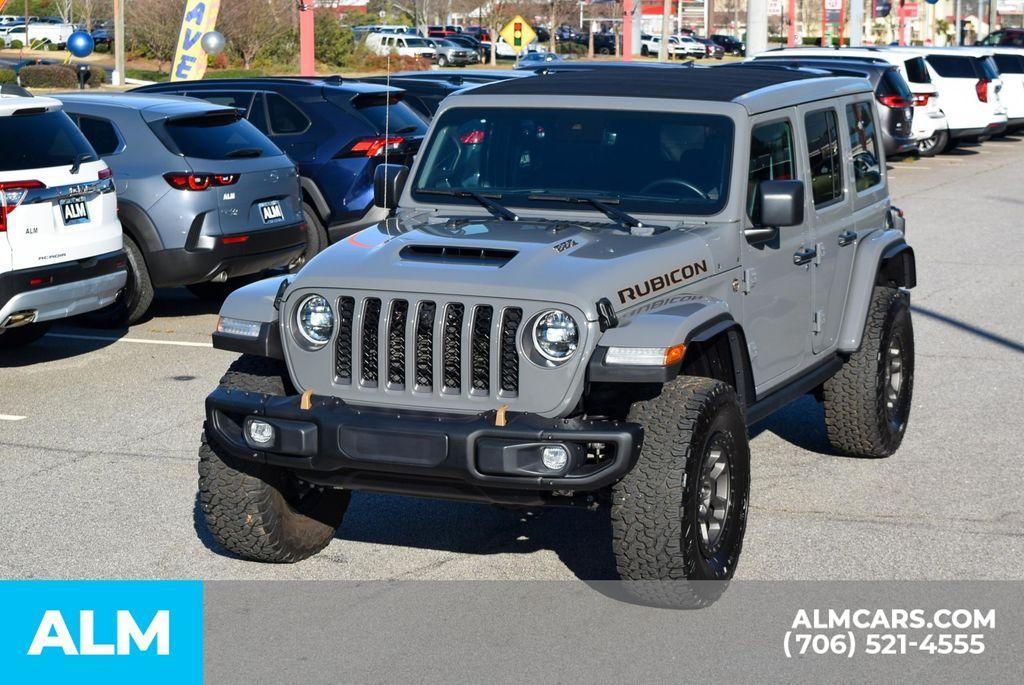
(99, 430)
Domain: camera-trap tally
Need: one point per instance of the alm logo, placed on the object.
(53, 634)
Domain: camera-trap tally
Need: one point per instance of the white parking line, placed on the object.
(11, 417)
(145, 341)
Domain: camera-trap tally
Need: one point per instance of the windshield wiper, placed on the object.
(76, 163)
(245, 152)
(602, 205)
(487, 201)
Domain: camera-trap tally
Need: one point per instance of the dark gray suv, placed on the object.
(203, 196)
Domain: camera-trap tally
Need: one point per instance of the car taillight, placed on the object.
(106, 173)
(12, 194)
(895, 101)
(981, 87)
(472, 138)
(183, 181)
(372, 147)
(921, 99)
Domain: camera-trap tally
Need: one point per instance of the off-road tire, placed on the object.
(20, 336)
(137, 296)
(858, 419)
(316, 234)
(656, 536)
(934, 145)
(258, 511)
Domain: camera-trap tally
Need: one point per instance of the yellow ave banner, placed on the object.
(518, 34)
(189, 58)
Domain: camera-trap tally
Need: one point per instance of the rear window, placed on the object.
(917, 70)
(55, 141)
(953, 66)
(398, 116)
(1010, 64)
(892, 83)
(220, 136)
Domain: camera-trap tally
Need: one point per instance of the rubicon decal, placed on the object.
(657, 283)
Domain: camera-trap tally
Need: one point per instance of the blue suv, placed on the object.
(333, 130)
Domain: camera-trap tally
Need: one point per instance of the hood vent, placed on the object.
(457, 254)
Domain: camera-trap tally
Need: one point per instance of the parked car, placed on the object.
(422, 95)
(443, 31)
(1008, 36)
(563, 312)
(535, 60)
(204, 198)
(60, 241)
(481, 33)
(334, 131)
(711, 48)
(931, 128)
(472, 43)
(1010, 62)
(894, 100)
(604, 42)
(968, 84)
(452, 54)
(397, 44)
(732, 45)
(102, 35)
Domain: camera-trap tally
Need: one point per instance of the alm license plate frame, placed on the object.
(74, 211)
(271, 212)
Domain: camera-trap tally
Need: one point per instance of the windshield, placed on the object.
(656, 162)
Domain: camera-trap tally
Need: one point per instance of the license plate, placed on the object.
(74, 211)
(271, 212)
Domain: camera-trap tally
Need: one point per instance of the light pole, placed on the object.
(307, 61)
(757, 26)
(117, 78)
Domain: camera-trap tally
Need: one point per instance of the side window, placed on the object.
(285, 117)
(823, 153)
(240, 101)
(258, 114)
(860, 122)
(101, 134)
(771, 159)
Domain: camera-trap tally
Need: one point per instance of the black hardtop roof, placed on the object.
(267, 83)
(680, 83)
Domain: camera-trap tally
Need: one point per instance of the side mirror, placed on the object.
(388, 182)
(777, 204)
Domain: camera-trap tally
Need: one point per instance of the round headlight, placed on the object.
(556, 335)
(315, 320)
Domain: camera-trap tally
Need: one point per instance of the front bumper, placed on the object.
(450, 456)
(267, 248)
(59, 291)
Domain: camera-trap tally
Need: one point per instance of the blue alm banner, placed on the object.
(102, 632)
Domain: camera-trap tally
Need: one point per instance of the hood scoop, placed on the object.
(457, 254)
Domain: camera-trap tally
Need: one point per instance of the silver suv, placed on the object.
(580, 301)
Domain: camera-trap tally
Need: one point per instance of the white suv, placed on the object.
(1010, 61)
(60, 239)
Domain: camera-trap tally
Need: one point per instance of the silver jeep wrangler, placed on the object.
(580, 300)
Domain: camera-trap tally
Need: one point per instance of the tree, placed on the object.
(152, 28)
(334, 42)
(250, 25)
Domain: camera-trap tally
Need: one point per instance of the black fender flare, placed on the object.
(135, 222)
(897, 267)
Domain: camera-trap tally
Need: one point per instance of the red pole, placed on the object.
(791, 29)
(824, 24)
(307, 63)
(842, 21)
(902, 22)
(627, 30)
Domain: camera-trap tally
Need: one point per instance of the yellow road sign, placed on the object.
(518, 34)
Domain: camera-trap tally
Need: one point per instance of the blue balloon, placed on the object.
(80, 44)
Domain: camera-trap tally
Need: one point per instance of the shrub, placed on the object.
(97, 76)
(102, 48)
(566, 47)
(374, 62)
(48, 76)
(17, 45)
(8, 76)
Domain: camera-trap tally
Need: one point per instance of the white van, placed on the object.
(60, 239)
(56, 34)
(929, 125)
(400, 44)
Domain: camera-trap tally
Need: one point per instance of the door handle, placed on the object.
(846, 238)
(804, 256)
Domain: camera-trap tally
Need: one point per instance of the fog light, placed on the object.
(261, 432)
(555, 457)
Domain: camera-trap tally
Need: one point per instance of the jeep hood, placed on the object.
(566, 262)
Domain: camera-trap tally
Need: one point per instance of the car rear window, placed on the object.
(218, 136)
(55, 141)
(917, 70)
(1010, 64)
(892, 83)
(953, 66)
(397, 116)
